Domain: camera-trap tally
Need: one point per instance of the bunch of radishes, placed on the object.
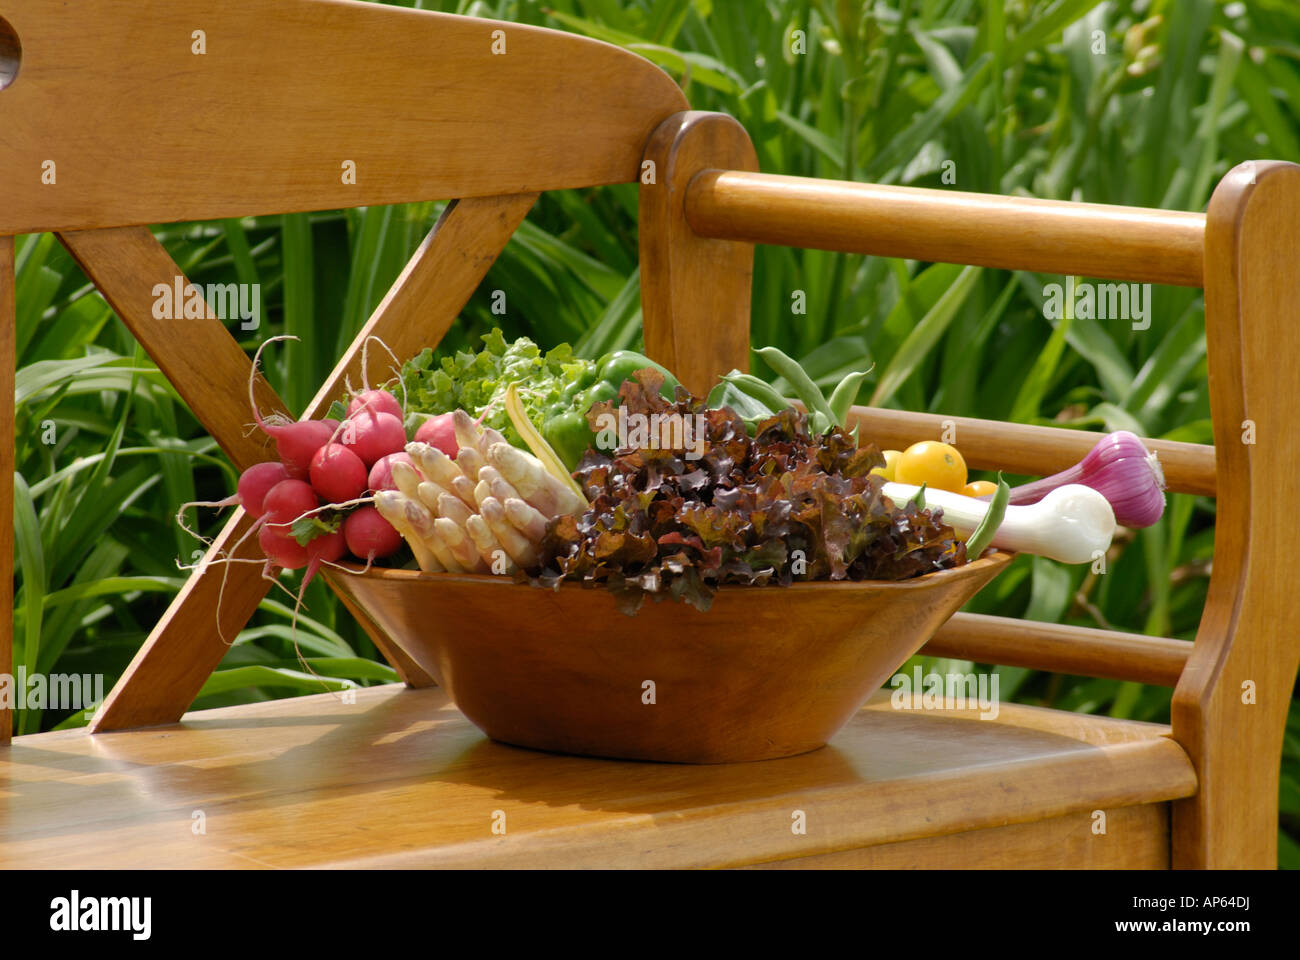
(330, 466)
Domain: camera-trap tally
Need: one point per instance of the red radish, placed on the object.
(375, 401)
(381, 474)
(300, 441)
(373, 435)
(326, 548)
(295, 441)
(322, 549)
(439, 432)
(250, 493)
(256, 482)
(281, 550)
(286, 502)
(369, 535)
(337, 474)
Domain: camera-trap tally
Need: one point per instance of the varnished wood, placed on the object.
(412, 674)
(7, 361)
(1012, 233)
(765, 672)
(1061, 648)
(289, 91)
(198, 355)
(185, 646)
(1229, 709)
(1026, 449)
(1136, 838)
(401, 778)
(695, 292)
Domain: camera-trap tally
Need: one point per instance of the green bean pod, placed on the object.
(798, 378)
(844, 395)
(760, 390)
(983, 534)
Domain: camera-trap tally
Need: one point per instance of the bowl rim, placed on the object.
(998, 560)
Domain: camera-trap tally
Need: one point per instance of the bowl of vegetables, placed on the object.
(705, 590)
(592, 560)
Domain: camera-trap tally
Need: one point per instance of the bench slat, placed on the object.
(1010, 233)
(1060, 648)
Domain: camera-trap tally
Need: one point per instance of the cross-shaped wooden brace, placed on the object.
(211, 375)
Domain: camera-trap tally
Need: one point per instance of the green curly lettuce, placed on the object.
(477, 382)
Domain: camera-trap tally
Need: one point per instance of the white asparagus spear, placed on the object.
(486, 478)
(526, 474)
(453, 509)
(460, 545)
(488, 548)
(391, 505)
(519, 547)
(502, 490)
(470, 462)
(434, 464)
(1072, 524)
(408, 479)
(466, 431)
(470, 434)
(422, 522)
(428, 493)
(487, 438)
(463, 488)
(525, 519)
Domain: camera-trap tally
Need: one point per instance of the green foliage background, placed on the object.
(1143, 103)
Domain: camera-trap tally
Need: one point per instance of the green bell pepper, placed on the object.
(618, 366)
(569, 436)
(565, 427)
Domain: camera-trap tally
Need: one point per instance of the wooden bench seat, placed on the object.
(401, 779)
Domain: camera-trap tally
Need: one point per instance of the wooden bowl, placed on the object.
(767, 672)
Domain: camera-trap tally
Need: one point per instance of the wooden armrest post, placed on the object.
(1230, 706)
(695, 292)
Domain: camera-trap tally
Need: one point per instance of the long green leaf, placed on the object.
(923, 338)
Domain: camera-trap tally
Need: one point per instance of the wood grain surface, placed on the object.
(423, 105)
(1136, 838)
(1012, 233)
(401, 779)
(695, 291)
(1061, 648)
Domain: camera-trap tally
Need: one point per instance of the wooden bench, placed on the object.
(435, 106)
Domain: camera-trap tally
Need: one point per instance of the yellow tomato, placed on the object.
(891, 463)
(979, 488)
(938, 465)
